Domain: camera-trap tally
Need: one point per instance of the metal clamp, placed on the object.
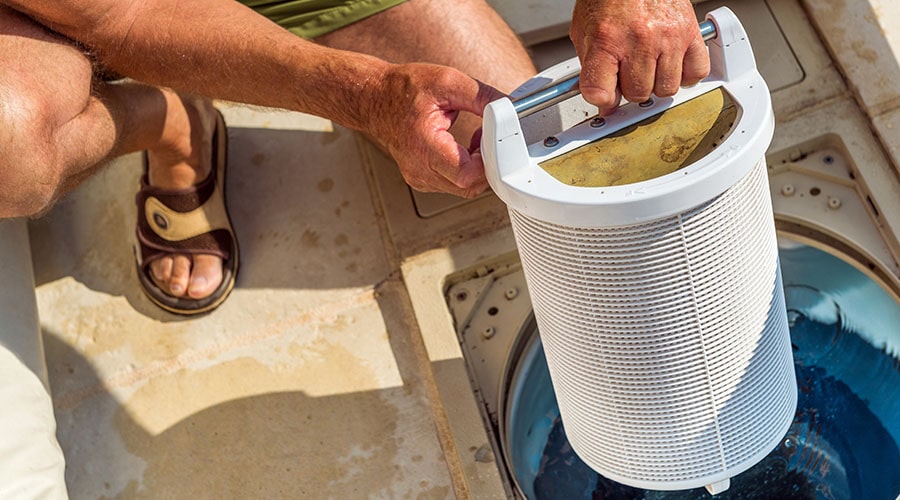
(569, 87)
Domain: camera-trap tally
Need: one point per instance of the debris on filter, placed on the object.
(654, 147)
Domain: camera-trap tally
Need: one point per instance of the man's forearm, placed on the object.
(217, 48)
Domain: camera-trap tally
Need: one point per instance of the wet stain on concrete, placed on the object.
(338, 210)
(325, 185)
(310, 238)
(864, 51)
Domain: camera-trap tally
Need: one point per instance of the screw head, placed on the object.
(646, 104)
(551, 142)
(598, 121)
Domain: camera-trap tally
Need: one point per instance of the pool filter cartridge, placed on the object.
(648, 244)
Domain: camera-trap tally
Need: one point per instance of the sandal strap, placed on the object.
(186, 221)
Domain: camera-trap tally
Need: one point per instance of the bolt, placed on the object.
(787, 190)
(646, 104)
(597, 122)
(488, 333)
(834, 202)
(551, 142)
(511, 293)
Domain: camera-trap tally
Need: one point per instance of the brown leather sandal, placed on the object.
(187, 221)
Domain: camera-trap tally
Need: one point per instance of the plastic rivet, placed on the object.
(511, 293)
(488, 333)
(788, 190)
(834, 202)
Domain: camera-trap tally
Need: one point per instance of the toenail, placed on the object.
(177, 287)
(198, 283)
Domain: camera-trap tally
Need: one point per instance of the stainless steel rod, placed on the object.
(569, 87)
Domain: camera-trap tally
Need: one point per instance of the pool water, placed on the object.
(843, 442)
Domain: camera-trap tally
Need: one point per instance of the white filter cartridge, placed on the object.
(659, 302)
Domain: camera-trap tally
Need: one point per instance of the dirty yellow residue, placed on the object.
(654, 147)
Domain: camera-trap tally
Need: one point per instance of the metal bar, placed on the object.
(569, 87)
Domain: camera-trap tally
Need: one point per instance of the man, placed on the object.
(413, 75)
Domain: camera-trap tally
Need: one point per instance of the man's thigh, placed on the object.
(468, 35)
(313, 18)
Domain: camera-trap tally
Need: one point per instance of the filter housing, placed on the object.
(659, 303)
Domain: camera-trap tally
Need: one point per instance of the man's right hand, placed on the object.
(410, 115)
(635, 47)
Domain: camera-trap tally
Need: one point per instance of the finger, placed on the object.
(668, 75)
(599, 78)
(427, 178)
(617, 100)
(637, 75)
(471, 171)
(480, 183)
(696, 62)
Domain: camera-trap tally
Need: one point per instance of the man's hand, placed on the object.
(410, 115)
(631, 48)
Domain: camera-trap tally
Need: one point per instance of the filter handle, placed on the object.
(567, 88)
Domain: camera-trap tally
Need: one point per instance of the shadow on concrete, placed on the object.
(225, 431)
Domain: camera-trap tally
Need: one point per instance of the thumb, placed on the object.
(471, 95)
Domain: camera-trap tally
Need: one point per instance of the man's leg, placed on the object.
(56, 128)
(466, 34)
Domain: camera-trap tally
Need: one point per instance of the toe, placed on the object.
(206, 276)
(161, 271)
(181, 274)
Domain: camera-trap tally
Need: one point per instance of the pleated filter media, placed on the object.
(659, 303)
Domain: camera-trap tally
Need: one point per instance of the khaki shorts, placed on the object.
(312, 18)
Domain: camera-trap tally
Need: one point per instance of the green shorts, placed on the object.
(312, 18)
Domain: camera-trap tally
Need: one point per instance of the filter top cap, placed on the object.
(513, 167)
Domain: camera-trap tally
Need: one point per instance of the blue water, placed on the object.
(843, 442)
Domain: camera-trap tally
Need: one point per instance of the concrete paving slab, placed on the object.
(864, 38)
(303, 382)
(887, 126)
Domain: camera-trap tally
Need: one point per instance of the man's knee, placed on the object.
(44, 83)
(30, 168)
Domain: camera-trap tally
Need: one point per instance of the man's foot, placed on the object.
(184, 160)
